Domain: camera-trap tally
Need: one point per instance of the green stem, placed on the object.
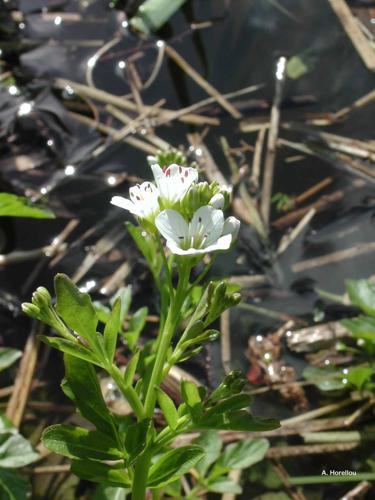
(164, 341)
(140, 476)
(166, 266)
(163, 344)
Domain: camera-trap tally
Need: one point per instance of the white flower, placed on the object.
(143, 200)
(207, 231)
(174, 181)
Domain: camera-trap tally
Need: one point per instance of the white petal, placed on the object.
(174, 181)
(157, 171)
(126, 204)
(231, 226)
(172, 226)
(207, 222)
(223, 243)
(217, 201)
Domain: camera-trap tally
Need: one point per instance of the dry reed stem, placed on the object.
(22, 385)
(120, 102)
(319, 205)
(331, 258)
(269, 162)
(352, 29)
(210, 89)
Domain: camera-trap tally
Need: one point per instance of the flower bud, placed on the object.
(31, 310)
(217, 201)
(232, 226)
(42, 297)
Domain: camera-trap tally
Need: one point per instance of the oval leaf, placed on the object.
(173, 464)
(77, 442)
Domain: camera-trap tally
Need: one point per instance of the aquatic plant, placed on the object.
(133, 453)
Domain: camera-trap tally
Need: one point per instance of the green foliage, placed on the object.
(136, 325)
(282, 201)
(362, 295)
(243, 454)
(19, 206)
(125, 451)
(214, 468)
(111, 330)
(112, 475)
(104, 492)
(169, 410)
(152, 14)
(77, 442)
(136, 438)
(326, 379)
(81, 385)
(166, 157)
(15, 450)
(173, 464)
(76, 310)
(13, 486)
(8, 356)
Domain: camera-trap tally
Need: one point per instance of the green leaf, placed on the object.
(76, 309)
(111, 330)
(173, 464)
(236, 402)
(136, 438)
(326, 379)
(131, 368)
(84, 389)
(299, 65)
(77, 442)
(243, 454)
(154, 14)
(113, 475)
(104, 492)
(13, 486)
(362, 295)
(240, 420)
(224, 485)
(136, 325)
(125, 295)
(211, 443)
(72, 348)
(12, 205)
(190, 395)
(15, 450)
(359, 375)
(168, 408)
(361, 327)
(8, 356)
(233, 383)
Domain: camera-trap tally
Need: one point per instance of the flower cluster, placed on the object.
(187, 213)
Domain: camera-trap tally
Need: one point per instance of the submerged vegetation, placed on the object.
(215, 309)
